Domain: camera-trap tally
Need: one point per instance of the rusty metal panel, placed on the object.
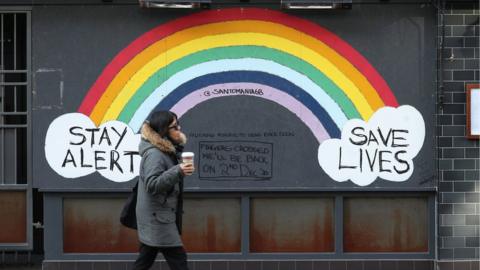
(91, 225)
(292, 225)
(385, 225)
(13, 216)
(212, 225)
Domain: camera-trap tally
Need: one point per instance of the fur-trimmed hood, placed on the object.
(154, 139)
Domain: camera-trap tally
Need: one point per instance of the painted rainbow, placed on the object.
(298, 64)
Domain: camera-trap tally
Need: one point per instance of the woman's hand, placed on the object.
(187, 168)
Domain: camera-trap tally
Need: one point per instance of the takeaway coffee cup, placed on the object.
(187, 157)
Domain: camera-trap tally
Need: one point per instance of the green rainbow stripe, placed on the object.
(238, 52)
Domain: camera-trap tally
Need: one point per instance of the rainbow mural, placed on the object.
(298, 64)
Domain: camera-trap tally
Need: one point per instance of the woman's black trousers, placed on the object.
(176, 257)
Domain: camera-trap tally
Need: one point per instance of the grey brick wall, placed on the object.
(459, 158)
(264, 265)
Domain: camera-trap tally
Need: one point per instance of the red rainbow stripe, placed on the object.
(212, 16)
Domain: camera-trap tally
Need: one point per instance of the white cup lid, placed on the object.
(188, 154)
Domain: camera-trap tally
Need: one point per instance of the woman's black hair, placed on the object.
(161, 120)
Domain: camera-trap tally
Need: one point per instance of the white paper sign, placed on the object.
(76, 147)
(475, 111)
(382, 147)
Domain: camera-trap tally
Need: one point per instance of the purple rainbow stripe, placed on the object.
(270, 93)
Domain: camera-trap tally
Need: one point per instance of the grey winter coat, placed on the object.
(158, 191)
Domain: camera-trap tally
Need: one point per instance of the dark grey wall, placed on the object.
(459, 188)
(71, 50)
(71, 45)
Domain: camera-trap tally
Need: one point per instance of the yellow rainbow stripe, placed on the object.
(236, 33)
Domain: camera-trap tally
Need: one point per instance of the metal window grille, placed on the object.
(15, 118)
(13, 98)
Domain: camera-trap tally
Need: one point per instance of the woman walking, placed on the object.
(160, 189)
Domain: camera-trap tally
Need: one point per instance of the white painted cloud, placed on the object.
(75, 147)
(382, 147)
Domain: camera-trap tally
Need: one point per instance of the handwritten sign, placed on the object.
(76, 147)
(247, 160)
(382, 147)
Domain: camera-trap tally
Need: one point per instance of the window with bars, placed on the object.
(15, 187)
(14, 114)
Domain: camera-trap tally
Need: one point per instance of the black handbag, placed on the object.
(128, 216)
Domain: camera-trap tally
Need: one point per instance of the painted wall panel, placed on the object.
(325, 102)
